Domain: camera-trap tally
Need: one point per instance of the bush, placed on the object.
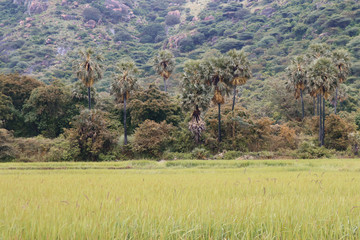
(7, 150)
(309, 150)
(91, 13)
(172, 20)
(200, 153)
(90, 136)
(228, 44)
(337, 130)
(151, 138)
(230, 155)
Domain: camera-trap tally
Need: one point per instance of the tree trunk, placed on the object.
(197, 138)
(89, 98)
(336, 96)
(318, 103)
(323, 127)
(233, 105)
(165, 86)
(302, 104)
(314, 106)
(125, 132)
(320, 118)
(219, 119)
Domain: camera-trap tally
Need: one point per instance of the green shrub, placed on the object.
(90, 136)
(7, 149)
(151, 138)
(91, 13)
(309, 150)
(171, 20)
(228, 44)
(230, 155)
(200, 153)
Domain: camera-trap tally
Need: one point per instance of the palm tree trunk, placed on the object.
(336, 96)
(323, 121)
(318, 103)
(314, 106)
(233, 105)
(89, 97)
(302, 104)
(125, 132)
(320, 118)
(165, 86)
(219, 119)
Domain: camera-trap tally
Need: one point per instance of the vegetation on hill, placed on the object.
(41, 40)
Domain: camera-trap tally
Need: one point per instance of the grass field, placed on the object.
(273, 199)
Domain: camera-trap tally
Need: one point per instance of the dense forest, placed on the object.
(114, 80)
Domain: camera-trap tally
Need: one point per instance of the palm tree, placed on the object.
(218, 78)
(123, 86)
(323, 80)
(88, 69)
(239, 69)
(195, 95)
(342, 63)
(164, 65)
(297, 78)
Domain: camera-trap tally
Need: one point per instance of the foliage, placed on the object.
(171, 20)
(310, 150)
(155, 105)
(200, 153)
(18, 87)
(50, 109)
(337, 132)
(7, 150)
(151, 138)
(90, 136)
(6, 109)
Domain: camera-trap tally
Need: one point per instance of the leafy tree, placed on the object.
(7, 149)
(155, 105)
(297, 79)
(18, 87)
(88, 69)
(50, 109)
(90, 136)
(342, 63)
(123, 86)
(6, 109)
(239, 69)
(152, 137)
(164, 65)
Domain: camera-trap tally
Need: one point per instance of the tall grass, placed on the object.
(264, 200)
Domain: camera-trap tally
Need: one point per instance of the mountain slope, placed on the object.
(42, 37)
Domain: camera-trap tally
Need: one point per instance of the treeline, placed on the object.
(74, 123)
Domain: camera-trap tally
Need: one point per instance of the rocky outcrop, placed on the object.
(69, 17)
(90, 24)
(33, 6)
(174, 13)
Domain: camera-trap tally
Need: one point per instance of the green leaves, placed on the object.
(125, 82)
(88, 69)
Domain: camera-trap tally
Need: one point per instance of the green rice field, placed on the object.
(257, 199)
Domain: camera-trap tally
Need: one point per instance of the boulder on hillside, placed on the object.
(37, 6)
(174, 13)
(268, 11)
(90, 24)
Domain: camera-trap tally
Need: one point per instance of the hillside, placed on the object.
(42, 37)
